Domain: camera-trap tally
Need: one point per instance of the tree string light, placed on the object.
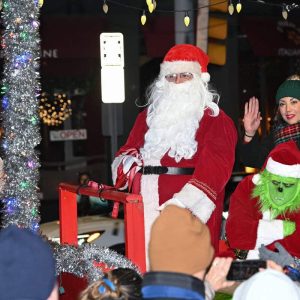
(54, 111)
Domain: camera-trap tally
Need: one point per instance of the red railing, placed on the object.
(133, 218)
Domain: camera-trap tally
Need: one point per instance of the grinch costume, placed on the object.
(265, 208)
(194, 180)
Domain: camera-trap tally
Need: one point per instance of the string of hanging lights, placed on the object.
(286, 8)
(152, 6)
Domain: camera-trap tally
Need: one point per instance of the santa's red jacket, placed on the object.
(212, 163)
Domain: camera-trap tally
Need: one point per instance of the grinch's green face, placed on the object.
(282, 190)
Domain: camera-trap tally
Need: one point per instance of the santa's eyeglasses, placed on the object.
(185, 76)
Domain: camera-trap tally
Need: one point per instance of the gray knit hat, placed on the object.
(289, 88)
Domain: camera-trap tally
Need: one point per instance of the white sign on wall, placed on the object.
(68, 135)
(112, 67)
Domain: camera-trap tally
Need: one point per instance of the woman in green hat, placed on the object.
(254, 151)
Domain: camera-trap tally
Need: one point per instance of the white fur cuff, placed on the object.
(196, 201)
(268, 232)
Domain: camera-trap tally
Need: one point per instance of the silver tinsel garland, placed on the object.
(80, 261)
(20, 90)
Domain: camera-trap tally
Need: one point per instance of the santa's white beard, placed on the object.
(173, 119)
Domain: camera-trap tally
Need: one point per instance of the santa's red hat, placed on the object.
(186, 58)
(283, 160)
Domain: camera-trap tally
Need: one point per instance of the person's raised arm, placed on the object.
(251, 118)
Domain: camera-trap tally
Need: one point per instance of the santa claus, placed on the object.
(265, 208)
(181, 149)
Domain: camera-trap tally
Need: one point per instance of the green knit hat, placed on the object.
(289, 88)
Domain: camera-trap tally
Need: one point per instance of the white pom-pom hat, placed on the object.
(185, 58)
(284, 160)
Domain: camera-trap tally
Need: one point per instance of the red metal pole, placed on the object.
(135, 234)
(68, 217)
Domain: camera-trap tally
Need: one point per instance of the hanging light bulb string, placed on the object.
(186, 19)
(114, 2)
(238, 7)
(143, 18)
(231, 9)
(285, 8)
(105, 7)
(152, 6)
(284, 12)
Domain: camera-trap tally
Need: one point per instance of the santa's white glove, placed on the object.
(128, 162)
(172, 201)
(193, 199)
(121, 167)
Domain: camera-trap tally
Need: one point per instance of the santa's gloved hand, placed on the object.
(195, 200)
(172, 201)
(124, 170)
(177, 202)
(282, 257)
(129, 161)
(193, 206)
(289, 228)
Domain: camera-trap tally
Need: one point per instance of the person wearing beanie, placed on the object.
(181, 149)
(253, 152)
(264, 210)
(179, 258)
(267, 284)
(27, 266)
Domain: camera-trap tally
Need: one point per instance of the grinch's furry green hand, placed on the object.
(289, 228)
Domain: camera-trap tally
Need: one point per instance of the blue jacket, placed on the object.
(170, 285)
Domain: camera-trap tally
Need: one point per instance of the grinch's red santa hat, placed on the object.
(284, 160)
(185, 58)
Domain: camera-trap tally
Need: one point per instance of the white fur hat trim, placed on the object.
(256, 179)
(180, 66)
(277, 168)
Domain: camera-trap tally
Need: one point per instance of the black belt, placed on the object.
(159, 170)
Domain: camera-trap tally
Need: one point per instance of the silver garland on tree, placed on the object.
(20, 90)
